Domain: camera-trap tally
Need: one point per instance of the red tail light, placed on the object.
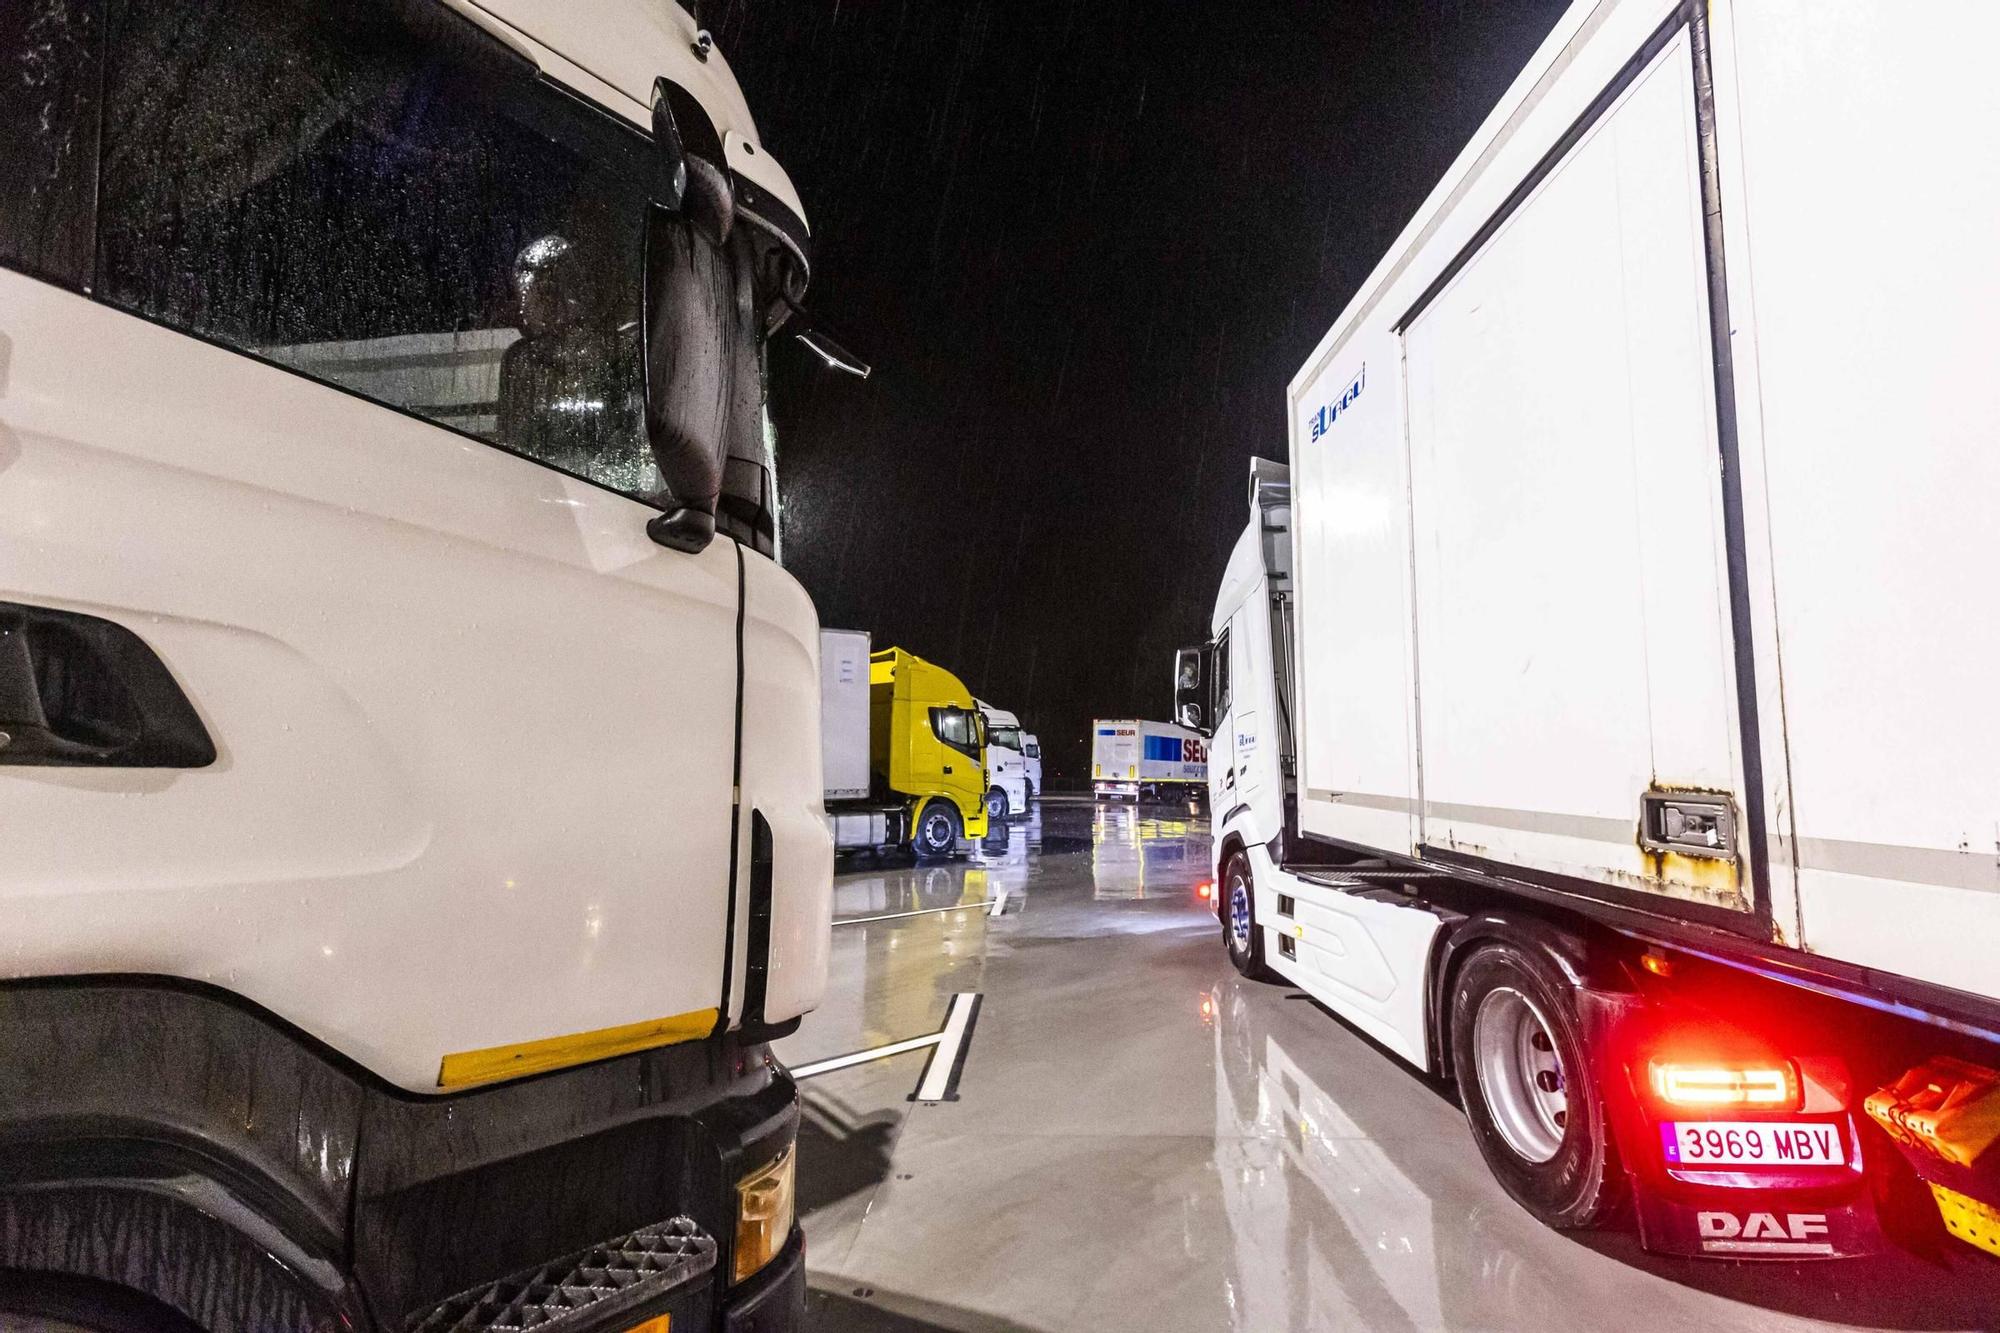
(1205, 889)
(1764, 1085)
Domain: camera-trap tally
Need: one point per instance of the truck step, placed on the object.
(582, 1288)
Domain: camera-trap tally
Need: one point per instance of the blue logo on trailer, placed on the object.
(1322, 420)
(1163, 749)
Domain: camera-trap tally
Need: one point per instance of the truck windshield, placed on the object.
(1007, 737)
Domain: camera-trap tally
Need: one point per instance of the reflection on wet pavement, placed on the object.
(1143, 1140)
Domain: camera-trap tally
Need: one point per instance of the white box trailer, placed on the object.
(1624, 610)
(1138, 760)
(843, 712)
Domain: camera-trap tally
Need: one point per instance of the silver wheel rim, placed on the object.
(937, 830)
(1520, 1074)
(1239, 914)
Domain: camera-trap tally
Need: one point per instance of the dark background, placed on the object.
(1086, 245)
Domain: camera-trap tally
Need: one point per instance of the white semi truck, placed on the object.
(1008, 792)
(413, 833)
(1601, 701)
(1133, 759)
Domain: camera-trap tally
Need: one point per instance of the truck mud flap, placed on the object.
(1761, 1227)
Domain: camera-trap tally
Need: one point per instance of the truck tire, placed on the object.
(937, 829)
(1239, 920)
(1524, 1076)
(996, 804)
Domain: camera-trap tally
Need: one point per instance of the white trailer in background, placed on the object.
(1006, 764)
(1510, 769)
(1137, 760)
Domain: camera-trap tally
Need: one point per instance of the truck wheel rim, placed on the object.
(1520, 1074)
(1239, 913)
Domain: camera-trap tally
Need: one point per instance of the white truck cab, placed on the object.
(398, 698)
(1009, 791)
(1031, 751)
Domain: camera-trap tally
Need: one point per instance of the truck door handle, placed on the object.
(947, 768)
(81, 690)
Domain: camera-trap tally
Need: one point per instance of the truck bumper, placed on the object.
(774, 1301)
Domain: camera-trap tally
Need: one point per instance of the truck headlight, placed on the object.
(763, 1215)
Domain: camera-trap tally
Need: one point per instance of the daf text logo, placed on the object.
(1322, 420)
(1764, 1233)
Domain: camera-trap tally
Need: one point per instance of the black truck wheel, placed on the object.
(996, 804)
(1525, 1078)
(937, 830)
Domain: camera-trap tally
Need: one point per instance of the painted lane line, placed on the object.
(921, 911)
(999, 903)
(827, 1066)
(940, 1080)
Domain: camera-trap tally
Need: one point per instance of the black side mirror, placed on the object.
(1191, 688)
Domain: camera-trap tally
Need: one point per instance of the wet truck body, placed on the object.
(407, 762)
(1599, 698)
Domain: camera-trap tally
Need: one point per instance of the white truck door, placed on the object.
(474, 730)
(1574, 645)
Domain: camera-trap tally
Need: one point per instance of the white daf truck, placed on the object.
(413, 828)
(1601, 700)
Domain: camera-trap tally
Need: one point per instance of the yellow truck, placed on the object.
(903, 745)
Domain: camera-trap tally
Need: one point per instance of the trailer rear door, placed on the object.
(1573, 634)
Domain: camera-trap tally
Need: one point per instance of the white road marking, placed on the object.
(922, 911)
(940, 1081)
(863, 1057)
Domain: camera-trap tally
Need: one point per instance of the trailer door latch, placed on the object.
(1690, 823)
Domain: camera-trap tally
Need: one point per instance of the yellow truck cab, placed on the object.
(927, 740)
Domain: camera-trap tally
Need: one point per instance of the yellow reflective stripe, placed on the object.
(534, 1057)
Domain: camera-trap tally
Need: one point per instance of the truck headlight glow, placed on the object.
(1765, 1085)
(763, 1215)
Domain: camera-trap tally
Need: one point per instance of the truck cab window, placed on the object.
(957, 728)
(1006, 737)
(319, 186)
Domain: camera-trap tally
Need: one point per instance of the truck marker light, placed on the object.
(1204, 890)
(658, 1324)
(1657, 963)
(763, 1215)
(1761, 1085)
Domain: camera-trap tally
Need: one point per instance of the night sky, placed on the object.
(1086, 245)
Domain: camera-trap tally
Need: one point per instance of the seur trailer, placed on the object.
(1601, 698)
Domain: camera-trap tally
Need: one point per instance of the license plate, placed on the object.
(1751, 1143)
